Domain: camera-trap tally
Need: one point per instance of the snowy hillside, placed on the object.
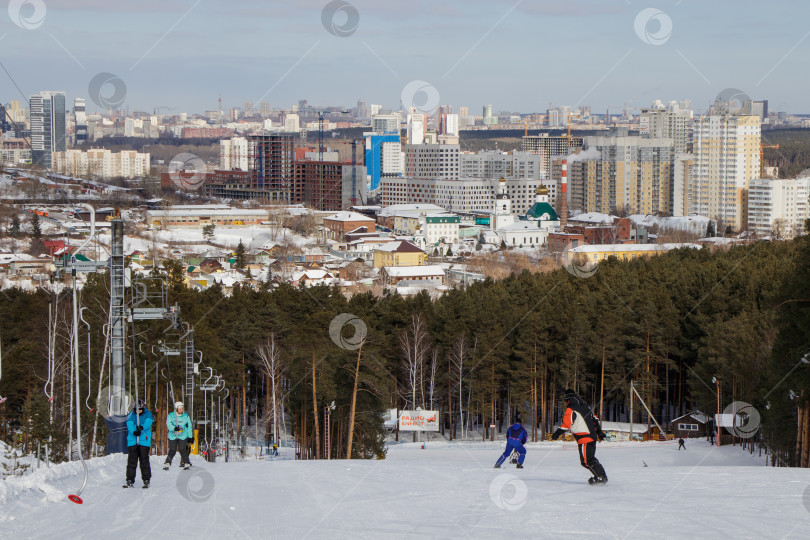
(443, 491)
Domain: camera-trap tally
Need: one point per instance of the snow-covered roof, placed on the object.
(623, 427)
(414, 271)
(399, 209)
(697, 415)
(592, 217)
(521, 226)
(400, 246)
(693, 223)
(348, 216)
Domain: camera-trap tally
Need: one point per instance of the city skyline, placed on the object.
(519, 57)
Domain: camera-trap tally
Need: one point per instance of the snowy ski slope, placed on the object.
(444, 491)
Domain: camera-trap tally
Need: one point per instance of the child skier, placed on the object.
(179, 432)
(516, 437)
(586, 428)
(139, 439)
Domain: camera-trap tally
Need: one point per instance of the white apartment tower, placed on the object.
(726, 149)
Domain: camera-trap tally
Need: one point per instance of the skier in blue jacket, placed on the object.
(516, 437)
(139, 440)
(179, 425)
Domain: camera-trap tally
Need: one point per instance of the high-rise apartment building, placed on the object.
(726, 149)
(548, 147)
(233, 154)
(778, 206)
(670, 122)
(415, 133)
(629, 173)
(47, 126)
(80, 120)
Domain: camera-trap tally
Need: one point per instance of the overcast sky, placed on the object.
(518, 56)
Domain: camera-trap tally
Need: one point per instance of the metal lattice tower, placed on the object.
(118, 406)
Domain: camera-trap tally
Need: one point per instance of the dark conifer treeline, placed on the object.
(479, 355)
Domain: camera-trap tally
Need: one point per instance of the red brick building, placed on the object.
(620, 232)
(341, 223)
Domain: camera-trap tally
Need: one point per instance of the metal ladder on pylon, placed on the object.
(190, 371)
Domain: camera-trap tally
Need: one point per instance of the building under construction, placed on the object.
(271, 160)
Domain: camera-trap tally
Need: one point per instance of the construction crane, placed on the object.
(762, 148)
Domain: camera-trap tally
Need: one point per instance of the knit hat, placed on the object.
(178, 404)
(568, 394)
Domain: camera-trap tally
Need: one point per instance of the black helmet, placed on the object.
(569, 394)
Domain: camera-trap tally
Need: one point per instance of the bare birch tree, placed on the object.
(270, 354)
(415, 345)
(458, 355)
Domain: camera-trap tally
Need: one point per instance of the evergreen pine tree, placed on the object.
(241, 255)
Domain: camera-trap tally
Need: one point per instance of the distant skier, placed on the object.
(586, 428)
(139, 440)
(681, 444)
(516, 437)
(179, 432)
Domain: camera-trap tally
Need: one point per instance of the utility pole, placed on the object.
(631, 410)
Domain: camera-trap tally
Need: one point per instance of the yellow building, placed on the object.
(624, 252)
(399, 253)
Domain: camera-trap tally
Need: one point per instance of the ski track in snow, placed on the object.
(448, 490)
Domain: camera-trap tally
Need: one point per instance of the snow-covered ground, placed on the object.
(444, 491)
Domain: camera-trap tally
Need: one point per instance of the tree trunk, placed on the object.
(354, 403)
(315, 410)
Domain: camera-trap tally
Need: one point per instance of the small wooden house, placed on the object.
(690, 425)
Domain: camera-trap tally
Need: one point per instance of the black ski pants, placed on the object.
(137, 453)
(587, 457)
(174, 446)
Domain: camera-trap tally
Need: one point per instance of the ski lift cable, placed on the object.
(50, 354)
(89, 382)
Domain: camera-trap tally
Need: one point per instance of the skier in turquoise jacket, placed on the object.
(139, 439)
(179, 425)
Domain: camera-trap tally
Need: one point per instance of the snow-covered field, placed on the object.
(443, 491)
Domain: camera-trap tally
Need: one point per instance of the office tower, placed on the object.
(383, 157)
(47, 126)
(264, 109)
(432, 161)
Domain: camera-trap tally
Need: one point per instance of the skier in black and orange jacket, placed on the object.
(586, 428)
